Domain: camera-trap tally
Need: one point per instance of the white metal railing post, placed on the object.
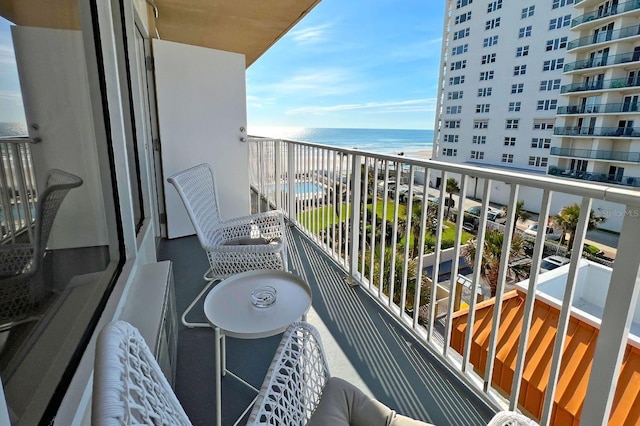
(435, 269)
(531, 298)
(619, 308)
(502, 277)
(565, 312)
(291, 180)
(354, 216)
(277, 194)
(423, 230)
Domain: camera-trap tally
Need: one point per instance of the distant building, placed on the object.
(542, 87)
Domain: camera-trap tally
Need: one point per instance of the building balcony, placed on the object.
(609, 179)
(596, 154)
(622, 58)
(605, 12)
(615, 83)
(395, 322)
(608, 108)
(609, 132)
(604, 36)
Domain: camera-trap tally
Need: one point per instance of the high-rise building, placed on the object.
(501, 74)
(548, 87)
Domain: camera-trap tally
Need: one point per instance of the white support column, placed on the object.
(354, 216)
(291, 180)
(277, 195)
(620, 305)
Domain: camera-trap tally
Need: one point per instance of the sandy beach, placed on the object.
(423, 155)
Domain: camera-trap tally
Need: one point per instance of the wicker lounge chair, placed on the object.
(232, 246)
(22, 287)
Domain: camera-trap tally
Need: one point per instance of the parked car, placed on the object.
(472, 217)
(553, 234)
(449, 202)
(403, 195)
(552, 262)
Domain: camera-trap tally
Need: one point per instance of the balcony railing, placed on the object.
(610, 132)
(609, 11)
(18, 193)
(621, 58)
(624, 180)
(611, 107)
(596, 154)
(603, 36)
(615, 83)
(354, 205)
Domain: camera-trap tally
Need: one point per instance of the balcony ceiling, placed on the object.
(243, 26)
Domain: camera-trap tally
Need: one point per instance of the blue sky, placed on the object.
(348, 63)
(352, 63)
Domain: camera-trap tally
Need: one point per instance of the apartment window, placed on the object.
(494, 5)
(459, 50)
(458, 65)
(455, 95)
(452, 124)
(538, 161)
(546, 85)
(560, 22)
(520, 70)
(456, 80)
(527, 12)
(454, 109)
(556, 43)
(492, 23)
(486, 75)
(490, 41)
(461, 34)
(547, 104)
(485, 91)
(560, 3)
(463, 18)
(510, 141)
(524, 32)
(450, 152)
(542, 125)
(517, 88)
(553, 64)
(477, 155)
(483, 107)
(479, 139)
(507, 158)
(480, 124)
(512, 123)
(451, 138)
(488, 58)
(540, 143)
(462, 3)
(514, 106)
(522, 51)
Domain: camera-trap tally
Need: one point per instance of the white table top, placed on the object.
(228, 305)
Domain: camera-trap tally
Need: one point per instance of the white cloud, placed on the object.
(10, 95)
(7, 57)
(315, 82)
(310, 35)
(410, 105)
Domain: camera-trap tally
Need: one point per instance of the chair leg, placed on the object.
(193, 303)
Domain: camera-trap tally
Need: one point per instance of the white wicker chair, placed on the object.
(22, 286)
(128, 384)
(232, 246)
(511, 418)
(293, 386)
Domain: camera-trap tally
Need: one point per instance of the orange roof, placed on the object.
(576, 360)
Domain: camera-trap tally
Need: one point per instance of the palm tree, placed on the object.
(452, 187)
(567, 219)
(491, 256)
(521, 214)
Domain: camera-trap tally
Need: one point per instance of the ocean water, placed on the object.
(13, 129)
(383, 141)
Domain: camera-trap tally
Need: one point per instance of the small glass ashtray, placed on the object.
(263, 297)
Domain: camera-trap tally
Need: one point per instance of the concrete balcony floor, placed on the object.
(365, 345)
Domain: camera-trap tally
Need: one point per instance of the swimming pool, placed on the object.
(304, 188)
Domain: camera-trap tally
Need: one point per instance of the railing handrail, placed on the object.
(598, 154)
(609, 107)
(620, 58)
(601, 192)
(601, 85)
(17, 139)
(611, 35)
(612, 10)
